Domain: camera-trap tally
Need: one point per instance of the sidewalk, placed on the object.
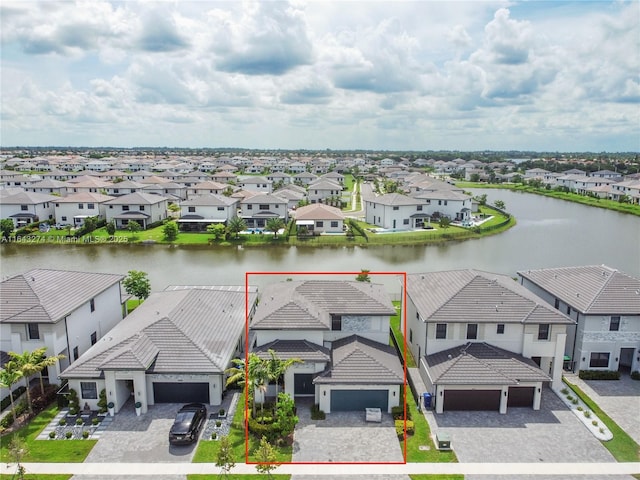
(139, 469)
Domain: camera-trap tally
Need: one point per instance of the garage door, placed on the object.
(350, 400)
(182, 392)
(471, 400)
(520, 397)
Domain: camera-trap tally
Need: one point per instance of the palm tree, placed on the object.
(276, 368)
(45, 362)
(26, 362)
(236, 225)
(273, 225)
(256, 374)
(9, 376)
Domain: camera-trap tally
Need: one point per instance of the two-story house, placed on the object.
(605, 303)
(482, 340)
(340, 330)
(65, 311)
(395, 211)
(144, 208)
(256, 184)
(447, 203)
(24, 208)
(200, 211)
(74, 209)
(173, 348)
(324, 191)
(258, 209)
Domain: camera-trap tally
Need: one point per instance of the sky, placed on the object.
(376, 75)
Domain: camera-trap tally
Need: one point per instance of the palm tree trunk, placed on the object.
(29, 395)
(41, 383)
(13, 406)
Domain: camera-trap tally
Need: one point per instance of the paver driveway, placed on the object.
(141, 439)
(552, 434)
(344, 437)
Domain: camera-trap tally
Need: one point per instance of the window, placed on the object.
(75, 353)
(24, 208)
(249, 207)
(142, 208)
(192, 209)
(221, 209)
(419, 208)
(263, 206)
(396, 208)
(543, 331)
(94, 338)
(405, 221)
(92, 304)
(81, 206)
(568, 310)
(599, 360)
(445, 202)
(116, 190)
(64, 218)
(441, 330)
(319, 223)
(410, 336)
(334, 224)
(33, 331)
(472, 331)
(125, 208)
(336, 322)
(91, 206)
(556, 304)
(89, 390)
(614, 324)
(500, 329)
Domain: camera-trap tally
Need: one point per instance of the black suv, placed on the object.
(186, 427)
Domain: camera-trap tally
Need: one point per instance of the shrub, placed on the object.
(601, 430)
(85, 434)
(599, 375)
(587, 413)
(579, 409)
(221, 412)
(79, 421)
(52, 435)
(62, 422)
(564, 391)
(594, 423)
(218, 423)
(95, 420)
(214, 436)
(635, 375)
(7, 420)
(574, 401)
(400, 428)
(316, 413)
(570, 398)
(398, 413)
(68, 435)
(102, 402)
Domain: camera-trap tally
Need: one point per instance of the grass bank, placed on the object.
(622, 446)
(47, 451)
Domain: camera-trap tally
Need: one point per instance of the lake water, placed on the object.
(549, 233)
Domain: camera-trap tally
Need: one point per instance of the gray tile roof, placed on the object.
(357, 360)
(395, 199)
(137, 198)
(210, 200)
(481, 297)
(481, 364)
(319, 211)
(308, 305)
(302, 349)
(592, 289)
(185, 329)
(28, 198)
(47, 296)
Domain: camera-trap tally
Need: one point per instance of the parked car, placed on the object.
(188, 423)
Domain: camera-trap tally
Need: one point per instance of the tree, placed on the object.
(224, 457)
(17, 451)
(236, 225)
(27, 363)
(273, 225)
(42, 362)
(137, 284)
(475, 178)
(133, 226)
(445, 222)
(363, 276)
(218, 230)
(9, 376)
(266, 458)
(481, 199)
(499, 204)
(256, 376)
(6, 227)
(170, 231)
(275, 368)
(111, 228)
(285, 418)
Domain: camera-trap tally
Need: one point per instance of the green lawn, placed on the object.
(621, 446)
(274, 476)
(207, 450)
(422, 436)
(422, 476)
(48, 451)
(396, 328)
(33, 476)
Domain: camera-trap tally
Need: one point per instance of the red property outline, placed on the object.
(246, 364)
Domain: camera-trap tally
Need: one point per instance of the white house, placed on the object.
(447, 203)
(395, 211)
(74, 209)
(173, 348)
(482, 341)
(340, 330)
(320, 219)
(257, 210)
(144, 208)
(200, 211)
(605, 303)
(324, 191)
(27, 207)
(64, 311)
(256, 184)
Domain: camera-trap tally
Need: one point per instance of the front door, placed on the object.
(303, 384)
(626, 359)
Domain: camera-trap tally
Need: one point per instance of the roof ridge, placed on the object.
(604, 284)
(485, 363)
(474, 273)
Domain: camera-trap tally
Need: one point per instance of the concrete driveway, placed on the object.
(551, 434)
(344, 437)
(141, 439)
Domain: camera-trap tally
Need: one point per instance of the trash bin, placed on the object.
(426, 396)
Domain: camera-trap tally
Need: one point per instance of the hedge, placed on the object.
(6, 401)
(400, 428)
(599, 375)
(635, 375)
(398, 413)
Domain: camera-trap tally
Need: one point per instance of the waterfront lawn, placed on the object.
(208, 449)
(622, 446)
(47, 451)
(396, 330)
